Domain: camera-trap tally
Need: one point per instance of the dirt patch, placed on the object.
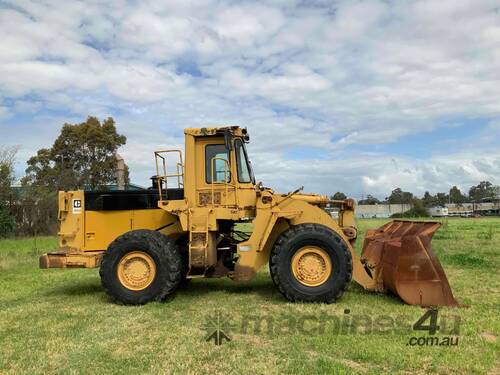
(355, 365)
(489, 337)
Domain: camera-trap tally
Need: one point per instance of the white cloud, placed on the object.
(4, 112)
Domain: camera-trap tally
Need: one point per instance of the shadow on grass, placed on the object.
(77, 288)
(266, 290)
(262, 287)
(197, 288)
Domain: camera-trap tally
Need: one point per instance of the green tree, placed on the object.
(399, 196)
(418, 210)
(82, 157)
(7, 157)
(441, 199)
(370, 199)
(36, 211)
(428, 200)
(7, 223)
(484, 189)
(338, 196)
(456, 196)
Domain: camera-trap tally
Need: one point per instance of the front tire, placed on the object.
(311, 263)
(141, 266)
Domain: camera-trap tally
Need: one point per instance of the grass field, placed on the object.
(60, 321)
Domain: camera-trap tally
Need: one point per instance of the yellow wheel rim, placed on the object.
(136, 270)
(311, 266)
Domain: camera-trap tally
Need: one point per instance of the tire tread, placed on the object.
(165, 250)
(283, 244)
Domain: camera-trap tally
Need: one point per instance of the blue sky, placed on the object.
(356, 96)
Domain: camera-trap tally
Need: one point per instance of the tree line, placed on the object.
(83, 156)
(482, 191)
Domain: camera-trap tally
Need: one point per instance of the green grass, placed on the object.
(60, 321)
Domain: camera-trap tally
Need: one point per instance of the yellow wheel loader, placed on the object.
(205, 216)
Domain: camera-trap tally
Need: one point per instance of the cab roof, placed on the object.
(235, 130)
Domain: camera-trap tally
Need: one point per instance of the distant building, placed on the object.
(438, 211)
(383, 210)
(491, 208)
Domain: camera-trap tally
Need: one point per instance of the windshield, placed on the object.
(245, 173)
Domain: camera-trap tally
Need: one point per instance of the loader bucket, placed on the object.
(398, 256)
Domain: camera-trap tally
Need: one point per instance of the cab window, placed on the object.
(221, 168)
(244, 174)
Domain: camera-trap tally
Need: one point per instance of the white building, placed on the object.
(438, 211)
(383, 210)
(470, 209)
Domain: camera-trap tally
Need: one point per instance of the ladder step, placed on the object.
(196, 276)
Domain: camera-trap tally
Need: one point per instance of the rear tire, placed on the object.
(157, 267)
(307, 247)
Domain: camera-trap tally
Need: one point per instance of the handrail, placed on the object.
(179, 174)
(227, 168)
(160, 158)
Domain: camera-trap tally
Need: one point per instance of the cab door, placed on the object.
(245, 180)
(215, 177)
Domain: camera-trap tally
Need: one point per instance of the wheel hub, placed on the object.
(311, 266)
(136, 270)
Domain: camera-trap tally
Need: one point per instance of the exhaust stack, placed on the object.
(120, 172)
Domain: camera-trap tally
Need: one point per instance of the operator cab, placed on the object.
(217, 171)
